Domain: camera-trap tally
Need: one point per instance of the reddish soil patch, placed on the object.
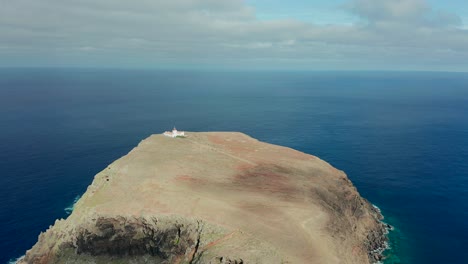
(271, 179)
(218, 241)
(235, 147)
(217, 139)
(189, 179)
(244, 167)
(265, 210)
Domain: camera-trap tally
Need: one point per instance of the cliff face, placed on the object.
(216, 197)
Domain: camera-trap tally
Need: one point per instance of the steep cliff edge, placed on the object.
(217, 197)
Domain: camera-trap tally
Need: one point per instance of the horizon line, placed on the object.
(225, 69)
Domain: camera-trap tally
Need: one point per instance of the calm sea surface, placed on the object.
(402, 138)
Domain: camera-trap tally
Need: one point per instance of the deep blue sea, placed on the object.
(402, 138)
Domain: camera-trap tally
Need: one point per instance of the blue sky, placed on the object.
(236, 34)
(321, 12)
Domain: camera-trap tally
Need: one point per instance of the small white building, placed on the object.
(174, 133)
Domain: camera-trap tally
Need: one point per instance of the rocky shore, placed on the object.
(217, 197)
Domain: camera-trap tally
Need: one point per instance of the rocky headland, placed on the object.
(217, 197)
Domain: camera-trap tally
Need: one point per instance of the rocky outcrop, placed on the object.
(166, 240)
(216, 198)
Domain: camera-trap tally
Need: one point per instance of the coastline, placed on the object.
(398, 246)
(380, 252)
(378, 239)
(17, 260)
(69, 209)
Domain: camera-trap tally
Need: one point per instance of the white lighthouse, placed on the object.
(174, 133)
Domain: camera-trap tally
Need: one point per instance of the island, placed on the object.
(216, 197)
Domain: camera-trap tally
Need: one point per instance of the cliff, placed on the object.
(219, 197)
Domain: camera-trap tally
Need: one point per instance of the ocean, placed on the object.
(402, 138)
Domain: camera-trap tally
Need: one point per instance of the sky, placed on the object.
(401, 35)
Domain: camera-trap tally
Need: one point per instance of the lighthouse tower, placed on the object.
(174, 133)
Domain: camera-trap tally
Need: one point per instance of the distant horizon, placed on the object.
(240, 70)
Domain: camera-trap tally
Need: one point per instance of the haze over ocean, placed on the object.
(402, 138)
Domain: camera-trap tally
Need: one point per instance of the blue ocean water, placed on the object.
(402, 138)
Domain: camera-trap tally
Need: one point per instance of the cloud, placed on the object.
(395, 34)
(87, 48)
(376, 10)
(408, 12)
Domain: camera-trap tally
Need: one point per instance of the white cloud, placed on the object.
(408, 12)
(87, 48)
(392, 33)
